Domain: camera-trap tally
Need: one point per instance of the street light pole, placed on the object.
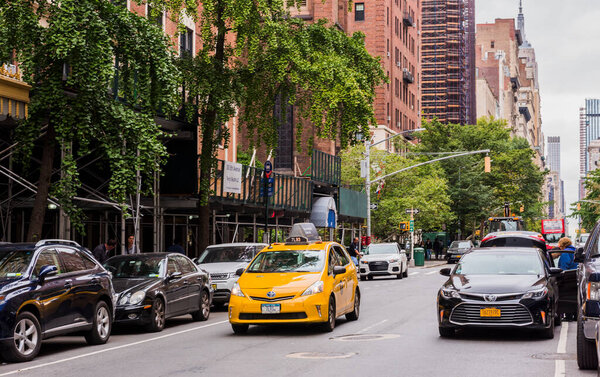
(368, 145)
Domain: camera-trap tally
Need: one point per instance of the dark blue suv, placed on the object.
(51, 288)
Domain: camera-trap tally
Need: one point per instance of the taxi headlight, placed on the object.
(538, 293)
(237, 291)
(317, 287)
(450, 293)
(137, 297)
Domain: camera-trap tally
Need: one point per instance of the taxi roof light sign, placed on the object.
(303, 233)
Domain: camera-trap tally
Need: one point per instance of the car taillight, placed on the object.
(488, 238)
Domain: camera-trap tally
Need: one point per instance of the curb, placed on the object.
(437, 264)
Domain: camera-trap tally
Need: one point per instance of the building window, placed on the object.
(388, 15)
(155, 17)
(359, 12)
(492, 44)
(186, 44)
(388, 112)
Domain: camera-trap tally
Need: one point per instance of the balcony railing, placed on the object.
(326, 168)
(408, 19)
(407, 76)
(289, 192)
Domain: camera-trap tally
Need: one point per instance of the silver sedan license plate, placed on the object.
(270, 308)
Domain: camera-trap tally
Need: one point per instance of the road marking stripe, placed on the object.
(432, 272)
(112, 348)
(373, 325)
(413, 273)
(559, 365)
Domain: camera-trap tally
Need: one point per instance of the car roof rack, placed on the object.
(56, 241)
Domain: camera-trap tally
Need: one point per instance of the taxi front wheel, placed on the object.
(353, 315)
(330, 324)
(240, 329)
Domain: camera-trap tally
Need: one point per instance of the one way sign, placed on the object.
(414, 211)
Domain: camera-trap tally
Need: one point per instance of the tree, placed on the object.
(589, 210)
(476, 195)
(252, 55)
(424, 188)
(71, 53)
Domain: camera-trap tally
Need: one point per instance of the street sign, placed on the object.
(374, 205)
(412, 225)
(364, 172)
(270, 184)
(414, 211)
(268, 168)
(232, 177)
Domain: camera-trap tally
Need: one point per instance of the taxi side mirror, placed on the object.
(337, 270)
(239, 272)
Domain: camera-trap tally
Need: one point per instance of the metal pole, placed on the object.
(412, 234)
(266, 196)
(368, 183)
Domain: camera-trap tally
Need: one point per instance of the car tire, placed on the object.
(353, 315)
(363, 278)
(204, 312)
(27, 339)
(586, 349)
(330, 324)
(157, 316)
(240, 329)
(446, 332)
(405, 273)
(400, 276)
(101, 325)
(370, 277)
(549, 332)
(557, 320)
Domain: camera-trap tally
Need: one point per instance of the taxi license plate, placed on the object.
(489, 312)
(214, 287)
(270, 308)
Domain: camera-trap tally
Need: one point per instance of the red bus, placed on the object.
(552, 231)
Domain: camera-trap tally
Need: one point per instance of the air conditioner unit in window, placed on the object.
(388, 54)
(398, 64)
(389, 118)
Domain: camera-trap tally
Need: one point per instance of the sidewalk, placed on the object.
(430, 263)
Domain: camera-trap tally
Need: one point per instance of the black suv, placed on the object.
(588, 299)
(51, 288)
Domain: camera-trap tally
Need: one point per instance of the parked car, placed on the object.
(153, 287)
(457, 249)
(588, 298)
(222, 261)
(499, 287)
(303, 280)
(381, 259)
(582, 239)
(51, 288)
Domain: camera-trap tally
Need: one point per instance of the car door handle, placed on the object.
(95, 281)
(68, 284)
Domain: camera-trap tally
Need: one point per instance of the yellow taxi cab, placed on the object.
(303, 280)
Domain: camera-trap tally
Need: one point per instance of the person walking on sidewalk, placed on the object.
(437, 248)
(354, 251)
(102, 251)
(428, 248)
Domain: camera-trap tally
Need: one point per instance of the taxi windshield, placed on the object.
(219, 254)
(14, 263)
(288, 261)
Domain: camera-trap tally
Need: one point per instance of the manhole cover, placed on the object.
(320, 355)
(365, 337)
(554, 356)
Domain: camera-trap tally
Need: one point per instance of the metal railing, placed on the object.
(289, 192)
(326, 168)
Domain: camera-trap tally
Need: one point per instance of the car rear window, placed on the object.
(511, 242)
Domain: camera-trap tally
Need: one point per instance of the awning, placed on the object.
(324, 213)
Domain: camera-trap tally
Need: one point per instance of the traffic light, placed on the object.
(487, 164)
(365, 241)
(404, 226)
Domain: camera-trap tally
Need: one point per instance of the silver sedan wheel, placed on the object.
(205, 304)
(26, 337)
(159, 314)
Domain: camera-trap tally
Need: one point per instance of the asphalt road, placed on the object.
(396, 335)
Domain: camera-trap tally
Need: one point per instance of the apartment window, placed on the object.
(388, 112)
(388, 83)
(492, 44)
(359, 12)
(156, 19)
(397, 87)
(388, 15)
(388, 48)
(396, 22)
(186, 44)
(397, 54)
(398, 119)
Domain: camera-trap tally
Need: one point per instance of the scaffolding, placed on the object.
(448, 57)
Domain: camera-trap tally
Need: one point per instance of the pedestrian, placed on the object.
(102, 251)
(428, 248)
(132, 248)
(176, 247)
(437, 248)
(353, 250)
(566, 261)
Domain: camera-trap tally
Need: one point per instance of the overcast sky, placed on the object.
(566, 38)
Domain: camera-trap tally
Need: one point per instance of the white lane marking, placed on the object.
(559, 365)
(432, 272)
(373, 325)
(413, 273)
(112, 348)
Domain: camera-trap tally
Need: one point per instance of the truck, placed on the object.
(552, 231)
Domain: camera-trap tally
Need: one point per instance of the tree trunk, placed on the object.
(38, 213)
(209, 126)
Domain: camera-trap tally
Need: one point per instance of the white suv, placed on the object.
(222, 261)
(382, 259)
